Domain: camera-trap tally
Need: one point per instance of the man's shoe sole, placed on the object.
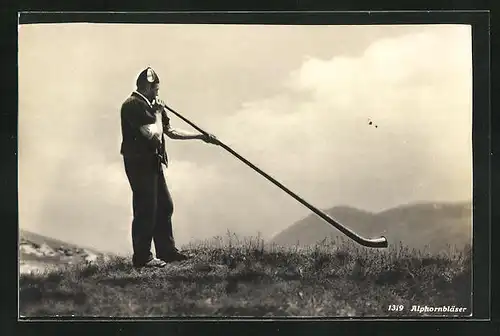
(151, 266)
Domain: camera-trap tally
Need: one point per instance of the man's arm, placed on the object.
(135, 115)
(179, 134)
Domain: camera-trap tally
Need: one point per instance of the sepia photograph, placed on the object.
(233, 170)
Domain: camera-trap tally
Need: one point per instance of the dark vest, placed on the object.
(135, 112)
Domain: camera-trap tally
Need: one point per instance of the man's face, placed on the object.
(153, 90)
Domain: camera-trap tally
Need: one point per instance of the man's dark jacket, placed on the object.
(135, 113)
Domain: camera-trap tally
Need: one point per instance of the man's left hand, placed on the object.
(159, 104)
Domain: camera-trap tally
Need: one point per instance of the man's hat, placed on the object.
(147, 75)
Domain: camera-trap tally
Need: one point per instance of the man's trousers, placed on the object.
(152, 209)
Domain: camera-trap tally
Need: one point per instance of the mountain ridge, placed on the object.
(433, 225)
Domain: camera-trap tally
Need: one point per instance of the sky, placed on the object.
(296, 101)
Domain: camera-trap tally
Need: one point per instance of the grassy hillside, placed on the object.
(38, 252)
(242, 278)
(53, 243)
(435, 226)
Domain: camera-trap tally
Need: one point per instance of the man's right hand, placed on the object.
(210, 138)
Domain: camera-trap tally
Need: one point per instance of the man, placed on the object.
(144, 122)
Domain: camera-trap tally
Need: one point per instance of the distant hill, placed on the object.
(37, 252)
(434, 225)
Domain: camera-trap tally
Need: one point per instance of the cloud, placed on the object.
(416, 89)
